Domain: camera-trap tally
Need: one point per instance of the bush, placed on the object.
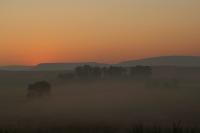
(38, 89)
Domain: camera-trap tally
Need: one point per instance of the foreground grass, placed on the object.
(135, 129)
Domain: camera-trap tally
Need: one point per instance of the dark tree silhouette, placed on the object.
(89, 72)
(83, 71)
(96, 72)
(39, 89)
(141, 72)
(116, 72)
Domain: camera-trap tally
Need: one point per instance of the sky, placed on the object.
(108, 31)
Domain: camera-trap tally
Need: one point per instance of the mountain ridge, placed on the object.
(179, 61)
(165, 61)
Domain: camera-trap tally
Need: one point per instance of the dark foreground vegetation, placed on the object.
(176, 128)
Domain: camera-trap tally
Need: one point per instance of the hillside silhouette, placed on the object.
(180, 61)
(185, 61)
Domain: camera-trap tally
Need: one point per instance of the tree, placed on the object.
(88, 72)
(141, 71)
(83, 71)
(39, 89)
(116, 72)
(96, 72)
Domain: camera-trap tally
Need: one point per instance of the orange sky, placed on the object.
(35, 31)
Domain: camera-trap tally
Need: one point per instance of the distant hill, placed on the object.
(181, 61)
(187, 61)
(16, 68)
(49, 66)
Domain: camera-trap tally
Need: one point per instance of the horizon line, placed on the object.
(76, 62)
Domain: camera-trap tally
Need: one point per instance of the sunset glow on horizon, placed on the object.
(108, 31)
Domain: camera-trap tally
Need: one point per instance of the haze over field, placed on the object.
(169, 95)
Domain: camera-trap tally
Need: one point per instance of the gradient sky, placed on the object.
(35, 31)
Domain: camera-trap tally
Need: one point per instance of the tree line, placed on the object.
(96, 72)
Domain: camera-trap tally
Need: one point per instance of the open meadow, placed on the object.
(163, 99)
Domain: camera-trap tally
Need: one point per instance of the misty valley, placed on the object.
(101, 98)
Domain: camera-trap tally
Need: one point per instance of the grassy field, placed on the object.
(115, 103)
(104, 129)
